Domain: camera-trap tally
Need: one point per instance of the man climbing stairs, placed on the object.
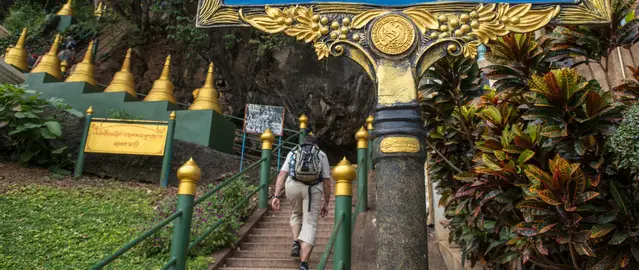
(268, 244)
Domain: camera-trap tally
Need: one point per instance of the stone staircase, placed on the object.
(268, 244)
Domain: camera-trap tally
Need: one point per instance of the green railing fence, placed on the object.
(189, 175)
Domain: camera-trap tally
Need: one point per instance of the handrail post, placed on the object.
(369, 126)
(303, 127)
(267, 146)
(168, 151)
(362, 171)
(344, 174)
(189, 175)
(79, 164)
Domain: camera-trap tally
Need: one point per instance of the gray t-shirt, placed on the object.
(326, 169)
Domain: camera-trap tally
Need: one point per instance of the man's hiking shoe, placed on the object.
(295, 252)
(303, 266)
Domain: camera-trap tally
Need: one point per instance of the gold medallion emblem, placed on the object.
(393, 34)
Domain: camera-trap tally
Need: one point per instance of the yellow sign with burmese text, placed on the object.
(126, 138)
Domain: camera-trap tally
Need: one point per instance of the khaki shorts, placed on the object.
(297, 193)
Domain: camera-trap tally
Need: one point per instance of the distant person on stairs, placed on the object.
(307, 176)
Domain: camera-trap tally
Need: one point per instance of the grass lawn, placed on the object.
(72, 226)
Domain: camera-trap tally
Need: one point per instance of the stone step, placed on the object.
(324, 220)
(252, 268)
(285, 224)
(286, 254)
(287, 232)
(281, 239)
(276, 246)
(275, 262)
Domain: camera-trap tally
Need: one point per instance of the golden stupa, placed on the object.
(66, 10)
(99, 11)
(162, 89)
(17, 55)
(50, 63)
(123, 80)
(84, 70)
(207, 95)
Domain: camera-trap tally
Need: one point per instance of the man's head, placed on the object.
(311, 139)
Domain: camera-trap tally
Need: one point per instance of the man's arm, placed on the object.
(327, 190)
(280, 182)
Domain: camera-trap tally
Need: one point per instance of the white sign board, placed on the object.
(257, 118)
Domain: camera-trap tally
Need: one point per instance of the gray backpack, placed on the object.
(306, 164)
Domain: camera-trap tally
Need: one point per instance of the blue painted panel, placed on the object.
(381, 2)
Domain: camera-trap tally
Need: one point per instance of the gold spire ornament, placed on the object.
(66, 10)
(99, 11)
(162, 89)
(84, 70)
(123, 80)
(207, 95)
(50, 62)
(369, 122)
(17, 55)
(63, 66)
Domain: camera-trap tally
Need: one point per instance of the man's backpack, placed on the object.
(306, 164)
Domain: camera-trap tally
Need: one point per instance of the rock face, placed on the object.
(214, 164)
(336, 93)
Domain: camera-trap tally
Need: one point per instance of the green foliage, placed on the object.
(538, 187)
(267, 43)
(29, 127)
(625, 143)
(217, 207)
(123, 114)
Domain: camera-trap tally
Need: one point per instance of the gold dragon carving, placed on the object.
(484, 23)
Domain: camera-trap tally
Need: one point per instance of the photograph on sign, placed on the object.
(126, 138)
(257, 118)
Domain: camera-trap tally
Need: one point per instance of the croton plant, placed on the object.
(527, 174)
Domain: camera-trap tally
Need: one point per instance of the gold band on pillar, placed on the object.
(344, 174)
(362, 138)
(189, 174)
(267, 139)
(369, 122)
(303, 121)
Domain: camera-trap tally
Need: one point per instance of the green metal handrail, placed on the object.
(287, 140)
(331, 243)
(168, 265)
(360, 193)
(136, 241)
(219, 222)
(226, 182)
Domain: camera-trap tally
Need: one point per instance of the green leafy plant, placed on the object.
(215, 209)
(29, 127)
(625, 143)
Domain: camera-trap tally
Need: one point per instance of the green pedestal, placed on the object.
(64, 23)
(205, 127)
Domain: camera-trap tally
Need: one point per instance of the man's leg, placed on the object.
(295, 196)
(311, 219)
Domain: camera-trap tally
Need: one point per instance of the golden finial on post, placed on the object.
(84, 70)
(50, 62)
(66, 9)
(267, 139)
(362, 138)
(63, 66)
(90, 110)
(206, 96)
(162, 89)
(172, 115)
(369, 122)
(189, 174)
(123, 80)
(344, 174)
(303, 121)
(99, 11)
(17, 55)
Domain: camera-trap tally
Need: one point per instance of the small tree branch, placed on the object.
(450, 164)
